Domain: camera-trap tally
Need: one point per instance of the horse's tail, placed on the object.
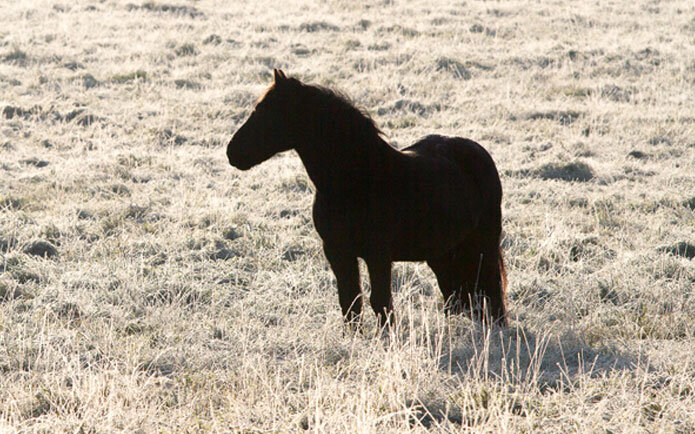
(484, 249)
(491, 197)
(483, 271)
(503, 284)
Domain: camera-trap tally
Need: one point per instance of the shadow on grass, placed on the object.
(521, 357)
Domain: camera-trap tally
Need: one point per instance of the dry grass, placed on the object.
(145, 285)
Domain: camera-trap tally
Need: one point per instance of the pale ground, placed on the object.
(184, 295)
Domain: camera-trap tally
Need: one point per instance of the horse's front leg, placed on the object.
(381, 300)
(348, 276)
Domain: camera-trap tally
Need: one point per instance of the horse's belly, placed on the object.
(424, 224)
(427, 239)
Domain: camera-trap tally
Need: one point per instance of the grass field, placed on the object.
(145, 285)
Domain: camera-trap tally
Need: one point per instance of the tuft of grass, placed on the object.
(479, 28)
(186, 50)
(41, 248)
(564, 117)
(638, 155)
(152, 6)
(10, 290)
(12, 203)
(318, 26)
(683, 249)
(131, 76)
(659, 140)
(10, 112)
(454, 67)
(70, 311)
(16, 56)
(617, 93)
(88, 81)
(213, 39)
(364, 24)
(81, 117)
(577, 91)
(186, 84)
(574, 171)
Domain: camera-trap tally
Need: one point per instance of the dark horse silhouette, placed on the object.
(437, 200)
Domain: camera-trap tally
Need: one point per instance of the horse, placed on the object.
(438, 200)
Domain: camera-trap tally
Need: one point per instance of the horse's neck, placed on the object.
(332, 162)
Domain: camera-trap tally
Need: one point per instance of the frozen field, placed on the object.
(147, 285)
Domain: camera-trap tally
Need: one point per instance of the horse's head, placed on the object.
(271, 127)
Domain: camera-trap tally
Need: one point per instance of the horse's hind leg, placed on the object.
(491, 283)
(481, 272)
(380, 299)
(449, 277)
(466, 273)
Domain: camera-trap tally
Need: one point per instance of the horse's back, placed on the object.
(467, 155)
(451, 148)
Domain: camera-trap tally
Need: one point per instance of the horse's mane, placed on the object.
(337, 102)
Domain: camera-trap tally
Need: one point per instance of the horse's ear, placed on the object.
(278, 75)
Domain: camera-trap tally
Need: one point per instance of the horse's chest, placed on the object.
(343, 222)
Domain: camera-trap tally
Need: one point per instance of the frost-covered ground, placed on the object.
(145, 284)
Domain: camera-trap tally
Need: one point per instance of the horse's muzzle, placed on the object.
(237, 158)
